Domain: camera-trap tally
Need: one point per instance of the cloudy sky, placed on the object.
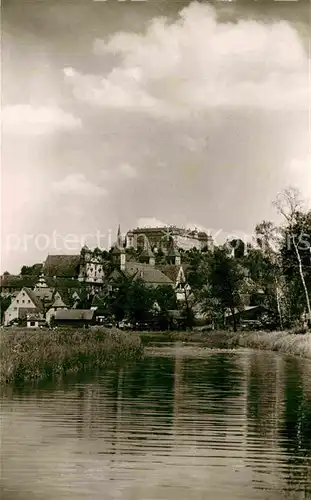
(141, 112)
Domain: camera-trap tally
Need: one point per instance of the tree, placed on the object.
(118, 296)
(267, 238)
(290, 206)
(4, 304)
(197, 274)
(140, 302)
(34, 270)
(130, 299)
(187, 307)
(165, 298)
(226, 278)
(85, 301)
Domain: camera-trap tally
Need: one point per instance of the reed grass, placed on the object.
(40, 354)
(285, 342)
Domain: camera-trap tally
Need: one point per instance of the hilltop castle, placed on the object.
(152, 253)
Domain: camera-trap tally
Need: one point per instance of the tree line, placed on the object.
(274, 271)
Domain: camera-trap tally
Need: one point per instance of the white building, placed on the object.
(24, 303)
(91, 267)
(57, 305)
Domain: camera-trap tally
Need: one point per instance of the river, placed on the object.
(184, 423)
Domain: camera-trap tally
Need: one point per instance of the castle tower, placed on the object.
(118, 252)
(130, 239)
(173, 256)
(119, 237)
(147, 256)
(119, 257)
(84, 258)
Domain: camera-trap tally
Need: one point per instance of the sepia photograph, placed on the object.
(155, 256)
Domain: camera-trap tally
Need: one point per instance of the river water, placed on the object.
(184, 423)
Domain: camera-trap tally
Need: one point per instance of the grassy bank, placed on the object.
(40, 354)
(285, 342)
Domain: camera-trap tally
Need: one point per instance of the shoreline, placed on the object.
(37, 355)
(283, 342)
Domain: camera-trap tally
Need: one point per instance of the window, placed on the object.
(28, 301)
(32, 323)
(23, 301)
(17, 301)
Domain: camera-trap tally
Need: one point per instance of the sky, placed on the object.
(148, 112)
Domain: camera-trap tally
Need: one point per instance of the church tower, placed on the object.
(118, 252)
(147, 256)
(173, 256)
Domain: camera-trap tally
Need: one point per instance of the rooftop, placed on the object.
(61, 265)
(149, 274)
(74, 314)
(33, 297)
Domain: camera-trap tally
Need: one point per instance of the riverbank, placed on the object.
(35, 355)
(285, 342)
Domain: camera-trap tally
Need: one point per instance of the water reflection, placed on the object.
(295, 428)
(190, 424)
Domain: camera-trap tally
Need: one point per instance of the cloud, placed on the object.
(127, 171)
(77, 184)
(197, 63)
(27, 120)
(300, 176)
(123, 171)
(150, 222)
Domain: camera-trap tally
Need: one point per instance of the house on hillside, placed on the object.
(148, 273)
(86, 268)
(91, 270)
(23, 303)
(144, 267)
(178, 276)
